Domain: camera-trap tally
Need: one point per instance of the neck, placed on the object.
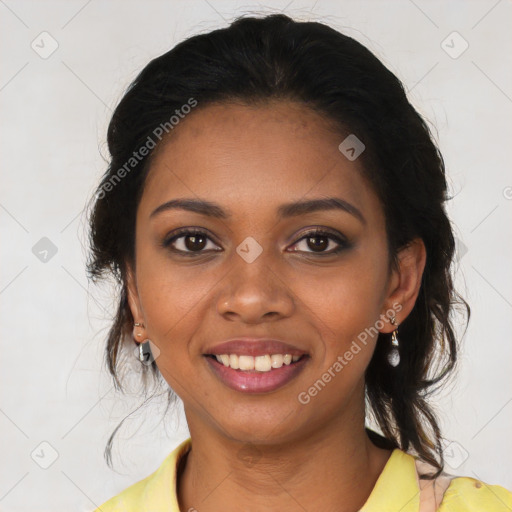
(332, 468)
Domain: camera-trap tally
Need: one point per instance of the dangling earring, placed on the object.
(145, 355)
(394, 354)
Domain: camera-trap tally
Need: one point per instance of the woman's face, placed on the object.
(253, 273)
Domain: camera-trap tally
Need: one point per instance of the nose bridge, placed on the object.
(253, 287)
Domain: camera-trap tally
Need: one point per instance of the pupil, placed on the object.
(322, 245)
(195, 240)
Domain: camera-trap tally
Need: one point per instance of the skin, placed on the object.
(250, 160)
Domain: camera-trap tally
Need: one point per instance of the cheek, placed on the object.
(344, 305)
(173, 302)
(173, 299)
(342, 310)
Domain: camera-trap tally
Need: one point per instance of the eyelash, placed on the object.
(317, 232)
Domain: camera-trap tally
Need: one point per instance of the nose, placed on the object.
(255, 292)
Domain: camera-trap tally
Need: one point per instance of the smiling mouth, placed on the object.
(256, 374)
(263, 363)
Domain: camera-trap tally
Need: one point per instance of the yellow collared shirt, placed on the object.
(396, 490)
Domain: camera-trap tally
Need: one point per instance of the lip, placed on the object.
(253, 381)
(253, 347)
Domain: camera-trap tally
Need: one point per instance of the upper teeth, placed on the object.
(259, 363)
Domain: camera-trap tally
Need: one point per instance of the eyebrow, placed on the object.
(287, 210)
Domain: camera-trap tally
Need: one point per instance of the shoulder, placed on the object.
(466, 494)
(158, 490)
(454, 493)
(403, 485)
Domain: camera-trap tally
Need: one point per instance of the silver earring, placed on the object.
(394, 354)
(145, 355)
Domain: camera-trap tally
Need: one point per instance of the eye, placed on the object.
(319, 240)
(189, 241)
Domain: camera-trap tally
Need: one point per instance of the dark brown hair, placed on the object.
(274, 57)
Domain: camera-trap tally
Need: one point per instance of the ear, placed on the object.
(139, 332)
(405, 282)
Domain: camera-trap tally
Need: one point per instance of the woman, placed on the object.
(274, 213)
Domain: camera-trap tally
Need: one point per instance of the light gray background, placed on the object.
(54, 116)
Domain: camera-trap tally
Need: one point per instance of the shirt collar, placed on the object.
(396, 489)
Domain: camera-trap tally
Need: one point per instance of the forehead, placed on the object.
(254, 157)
